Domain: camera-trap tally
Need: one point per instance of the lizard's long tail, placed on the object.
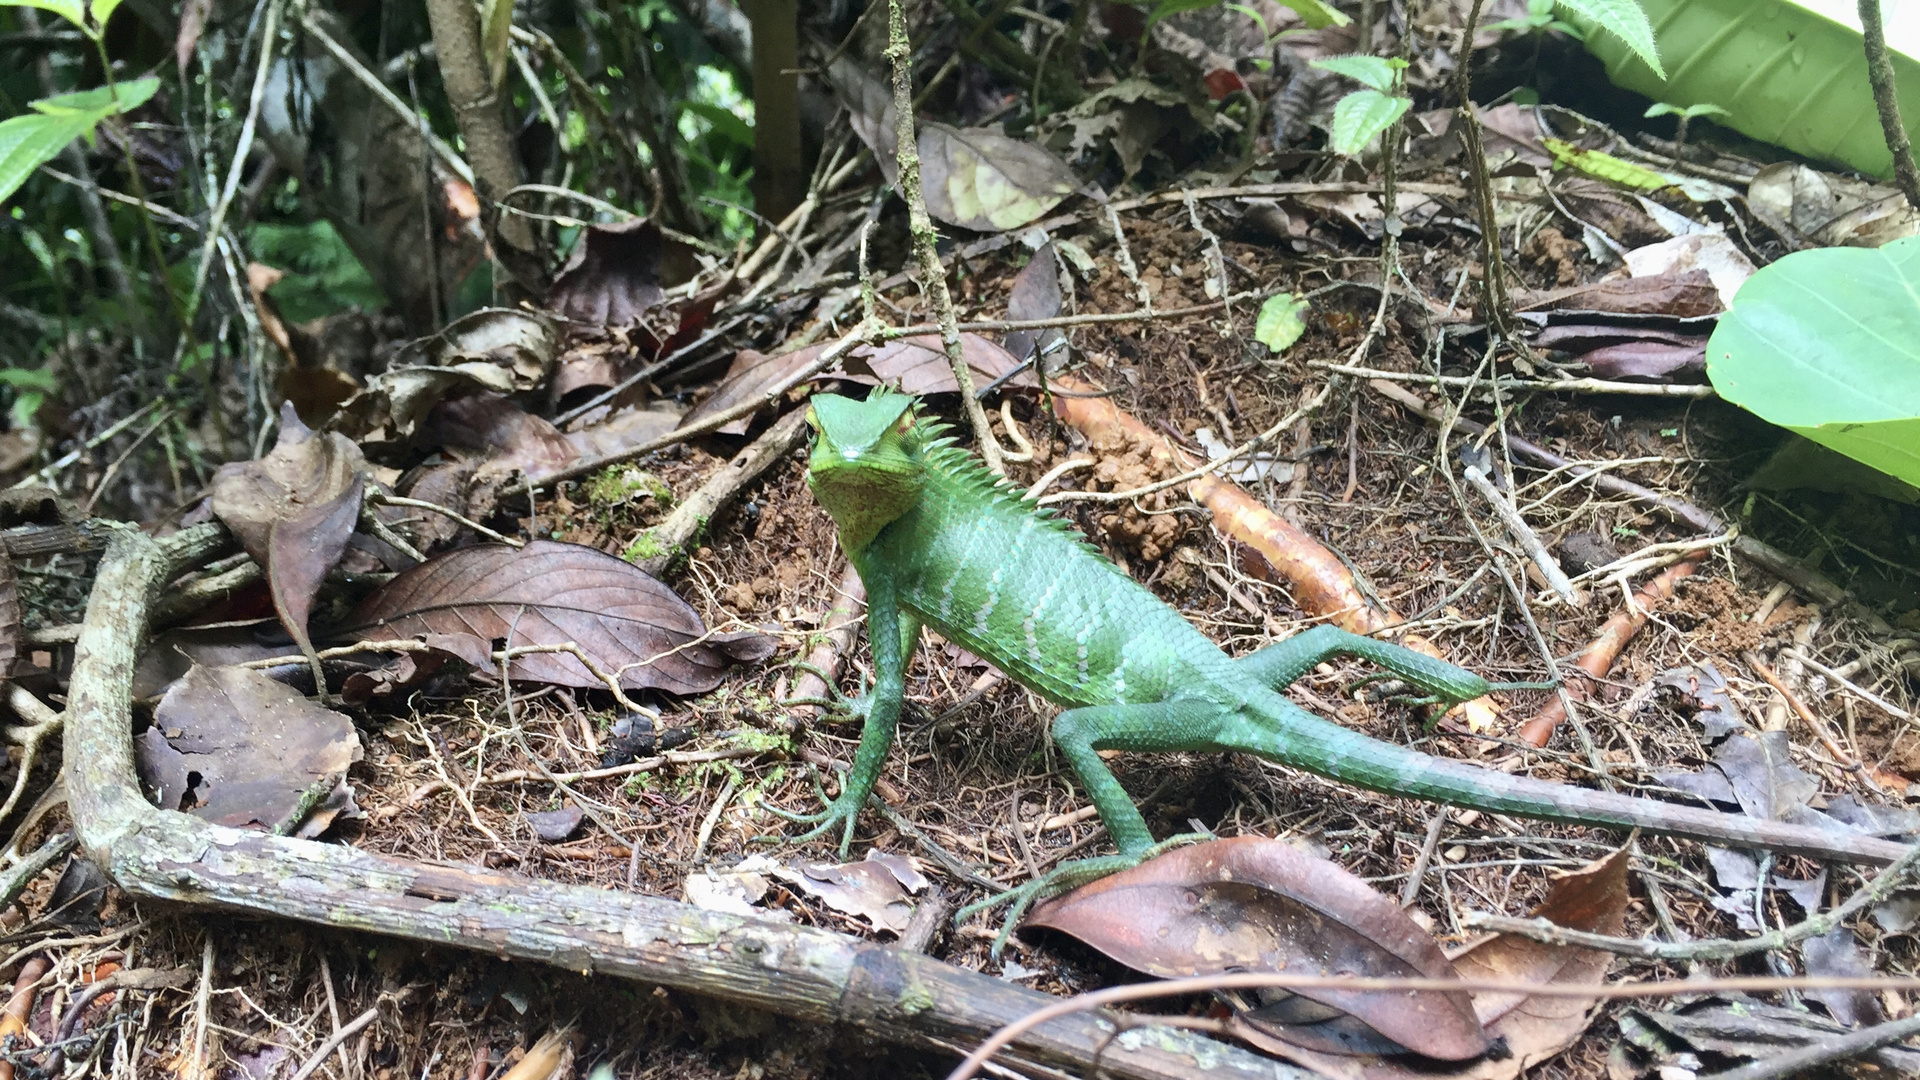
(1315, 745)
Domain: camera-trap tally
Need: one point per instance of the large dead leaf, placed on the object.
(980, 179)
(235, 747)
(471, 600)
(615, 274)
(506, 437)
(293, 511)
(915, 365)
(520, 343)
(1252, 904)
(976, 178)
(1035, 295)
(1533, 1029)
(1683, 294)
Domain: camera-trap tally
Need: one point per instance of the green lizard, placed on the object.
(938, 541)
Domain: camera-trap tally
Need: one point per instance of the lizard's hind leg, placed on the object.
(1280, 663)
(1080, 734)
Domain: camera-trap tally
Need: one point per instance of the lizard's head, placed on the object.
(863, 470)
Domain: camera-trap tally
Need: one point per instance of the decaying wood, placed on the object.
(1599, 657)
(691, 516)
(813, 975)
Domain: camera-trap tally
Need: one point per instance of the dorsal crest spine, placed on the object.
(931, 441)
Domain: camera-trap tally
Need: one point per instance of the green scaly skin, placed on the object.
(939, 542)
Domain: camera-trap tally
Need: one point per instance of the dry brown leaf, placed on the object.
(614, 276)
(1253, 904)
(467, 601)
(293, 511)
(237, 748)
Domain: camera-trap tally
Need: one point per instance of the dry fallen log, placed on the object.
(809, 974)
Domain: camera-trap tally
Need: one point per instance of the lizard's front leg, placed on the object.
(892, 633)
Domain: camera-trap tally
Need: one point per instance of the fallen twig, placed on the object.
(1598, 658)
(813, 975)
(828, 357)
(690, 517)
(1523, 533)
(1558, 386)
(1876, 891)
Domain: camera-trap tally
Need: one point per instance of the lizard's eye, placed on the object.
(813, 419)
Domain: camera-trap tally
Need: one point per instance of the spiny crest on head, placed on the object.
(933, 444)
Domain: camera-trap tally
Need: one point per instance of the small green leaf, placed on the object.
(1604, 166)
(29, 378)
(1317, 14)
(1375, 71)
(102, 10)
(1826, 342)
(1625, 20)
(1360, 116)
(99, 101)
(30, 141)
(69, 10)
(1280, 323)
(725, 123)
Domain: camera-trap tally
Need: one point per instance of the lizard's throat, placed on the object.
(863, 499)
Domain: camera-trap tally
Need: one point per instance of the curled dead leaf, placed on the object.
(293, 511)
(1253, 904)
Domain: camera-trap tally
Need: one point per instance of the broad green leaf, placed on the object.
(1280, 322)
(1826, 342)
(1605, 166)
(724, 121)
(102, 10)
(1374, 71)
(29, 378)
(30, 141)
(1626, 21)
(69, 10)
(99, 101)
(1360, 116)
(1316, 14)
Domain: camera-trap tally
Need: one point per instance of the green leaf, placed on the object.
(1375, 71)
(1316, 14)
(1826, 342)
(30, 141)
(1280, 323)
(69, 10)
(725, 123)
(102, 10)
(1626, 21)
(29, 378)
(1605, 166)
(1360, 116)
(99, 101)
